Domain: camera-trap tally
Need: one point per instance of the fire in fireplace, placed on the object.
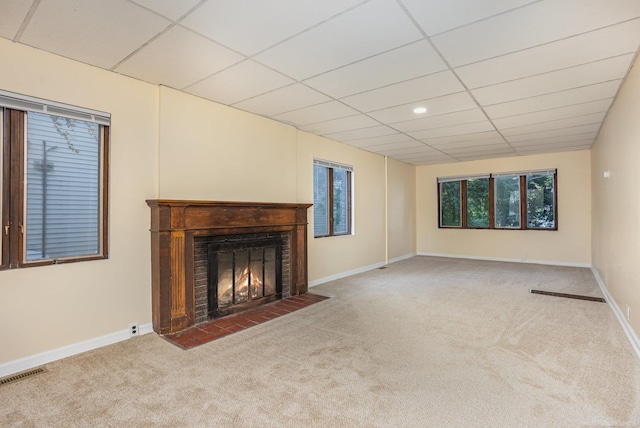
(244, 271)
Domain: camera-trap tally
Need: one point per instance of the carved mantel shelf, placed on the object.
(176, 223)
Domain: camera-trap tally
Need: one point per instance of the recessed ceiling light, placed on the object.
(420, 110)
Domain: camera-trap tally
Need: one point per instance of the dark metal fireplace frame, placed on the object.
(176, 223)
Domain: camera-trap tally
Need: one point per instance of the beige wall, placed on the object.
(336, 255)
(571, 244)
(44, 308)
(616, 207)
(212, 152)
(401, 209)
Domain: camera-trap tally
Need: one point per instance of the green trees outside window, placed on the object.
(499, 202)
(451, 203)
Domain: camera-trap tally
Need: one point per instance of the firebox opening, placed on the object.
(243, 272)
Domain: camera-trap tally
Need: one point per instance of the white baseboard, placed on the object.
(406, 256)
(626, 327)
(510, 260)
(36, 360)
(345, 274)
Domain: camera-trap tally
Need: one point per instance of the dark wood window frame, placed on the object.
(13, 137)
(330, 204)
(492, 213)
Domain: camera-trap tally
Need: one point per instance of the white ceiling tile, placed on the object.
(477, 136)
(595, 92)
(410, 144)
(250, 26)
(611, 41)
(587, 119)
(239, 82)
(281, 100)
(433, 161)
(361, 134)
(588, 136)
(94, 32)
(555, 81)
(422, 149)
(554, 148)
(467, 128)
(338, 125)
(178, 58)
(435, 106)
(430, 156)
(544, 144)
(449, 119)
(467, 144)
(490, 148)
(317, 114)
(171, 9)
(420, 89)
(404, 63)
(485, 156)
(369, 29)
(12, 16)
(383, 139)
(553, 114)
(436, 16)
(540, 22)
(584, 129)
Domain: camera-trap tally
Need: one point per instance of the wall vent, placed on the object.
(569, 296)
(16, 377)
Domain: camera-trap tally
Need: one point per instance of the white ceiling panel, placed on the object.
(239, 82)
(282, 100)
(569, 78)
(472, 137)
(317, 114)
(411, 144)
(371, 28)
(553, 148)
(467, 128)
(404, 63)
(584, 129)
(467, 144)
(587, 119)
(94, 32)
(339, 125)
(553, 114)
(250, 26)
(609, 42)
(436, 16)
(361, 134)
(543, 72)
(485, 156)
(170, 9)
(457, 118)
(435, 106)
(595, 92)
(382, 139)
(13, 14)
(540, 22)
(178, 58)
(588, 136)
(422, 88)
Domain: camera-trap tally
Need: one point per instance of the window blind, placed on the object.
(38, 105)
(330, 164)
(461, 178)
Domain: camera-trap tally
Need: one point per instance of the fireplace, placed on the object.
(210, 259)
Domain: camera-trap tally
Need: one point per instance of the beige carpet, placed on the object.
(427, 342)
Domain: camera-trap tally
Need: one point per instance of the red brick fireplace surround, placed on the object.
(175, 226)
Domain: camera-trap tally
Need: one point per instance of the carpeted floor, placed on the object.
(427, 342)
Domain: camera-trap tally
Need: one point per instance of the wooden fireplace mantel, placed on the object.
(176, 223)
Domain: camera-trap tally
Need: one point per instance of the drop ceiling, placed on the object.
(498, 77)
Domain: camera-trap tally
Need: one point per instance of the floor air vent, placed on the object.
(568, 296)
(20, 376)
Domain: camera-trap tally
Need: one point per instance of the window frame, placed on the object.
(330, 166)
(523, 204)
(13, 205)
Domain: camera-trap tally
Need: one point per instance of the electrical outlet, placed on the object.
(628, 313)
(133, 329)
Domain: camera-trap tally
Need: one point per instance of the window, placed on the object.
(526, 200)
(331, 198)
(54, 182)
